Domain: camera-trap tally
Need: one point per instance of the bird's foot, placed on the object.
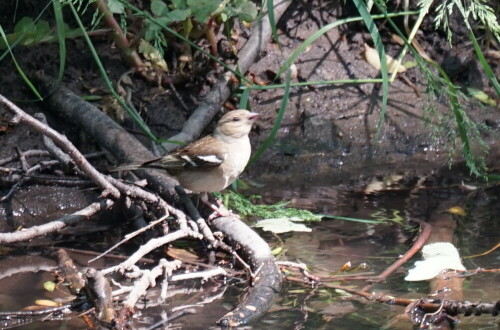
(219, 211)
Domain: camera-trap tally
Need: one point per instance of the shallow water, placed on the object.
(330, 245)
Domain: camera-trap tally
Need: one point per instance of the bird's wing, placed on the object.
(205, 153)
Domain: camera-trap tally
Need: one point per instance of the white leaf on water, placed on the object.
(436, 258)
(282, 225)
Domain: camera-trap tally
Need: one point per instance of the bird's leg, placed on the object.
(220, 210)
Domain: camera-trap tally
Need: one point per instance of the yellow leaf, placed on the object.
(481, 96)
(371, 56)
(49, 286)
(457, 210)
(47, 303)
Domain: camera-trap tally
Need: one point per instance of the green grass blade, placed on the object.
(272, 21)
(379, 46)
(477, 49)
(19, 39)
(475, 167)
(244, 99)
(349, 219)
(487, 69)
(314, 83)
(108, 83)
(18, 68)
(327, 28)
(474, 164)
(61, 37)
(277, 123)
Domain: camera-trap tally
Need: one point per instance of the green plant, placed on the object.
(192, 18)
(467, 130)
(246, 208)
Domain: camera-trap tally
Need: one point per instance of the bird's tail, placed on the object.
(135, 166)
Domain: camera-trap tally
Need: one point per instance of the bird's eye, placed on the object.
(236, 119)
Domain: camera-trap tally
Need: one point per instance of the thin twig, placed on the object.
(54, 150)
(128, 237)
(56, 225)
(425, 233)
(150, 246)
(63, 142)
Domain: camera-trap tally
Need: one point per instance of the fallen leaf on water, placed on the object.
(436, 257)
(182, 254)
(346, 266)
(282, 225)
(49, 286)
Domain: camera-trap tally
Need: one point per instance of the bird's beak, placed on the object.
(253, 116)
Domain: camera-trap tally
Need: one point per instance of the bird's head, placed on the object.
(235, 124)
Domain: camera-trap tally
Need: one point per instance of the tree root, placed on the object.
(266, 278)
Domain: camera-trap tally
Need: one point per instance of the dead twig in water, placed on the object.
(56, 225)
(424, 306)
(425, 233)
(129, 236)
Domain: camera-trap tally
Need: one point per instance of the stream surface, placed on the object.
(326, 249)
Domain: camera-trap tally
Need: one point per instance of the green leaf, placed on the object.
(349, 219)
(179, 15)
(379, 46)
(203, 9)
(151, 31)
(301, 49)
(104, 75)
(187, 27)
(277, 123)
(272, 21)
(61, 30)
(243, 9)
(410, 64)
(42, 30)
(486, 67)
(18, 67)
(248, 12)
(277, 251)
(25, 25)
(159, 8)
(180, 4)
(49, 286)
(116, 7)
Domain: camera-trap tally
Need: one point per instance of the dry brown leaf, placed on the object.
(371, 56)
(397, 39)
(182, 255)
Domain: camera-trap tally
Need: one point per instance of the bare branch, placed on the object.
(63, 142)
(56, 225)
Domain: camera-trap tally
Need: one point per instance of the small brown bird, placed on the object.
(215, 161)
